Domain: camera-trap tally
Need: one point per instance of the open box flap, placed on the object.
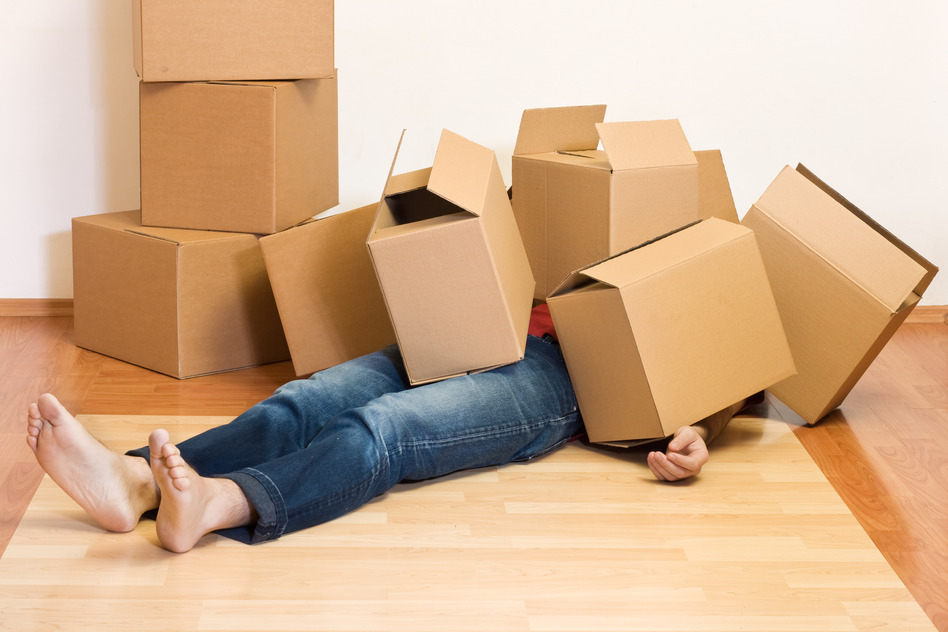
(544, 130)
(462, 172)
(644, 144)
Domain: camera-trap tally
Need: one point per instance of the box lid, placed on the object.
(617, 270)
(545, 130)
(845, 240)
(665, 252)
(130, 222)
(643, 144)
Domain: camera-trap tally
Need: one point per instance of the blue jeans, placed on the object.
(321, 447)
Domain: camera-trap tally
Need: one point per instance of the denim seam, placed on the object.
(494, 431)
(280, 519)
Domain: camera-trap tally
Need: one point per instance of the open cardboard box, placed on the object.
(448, 256)
(576, 204)
(668, 333)
(180, 302)
(251, 157)
(325, 288)
(843, 285)
(188, 40)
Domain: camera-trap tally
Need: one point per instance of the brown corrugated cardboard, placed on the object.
(668, 333)
(576, 204)
(714, 190)
(185, 40)
(452, 268)
(843, 285)
(252, 157)
(180, 302)
(325, 288)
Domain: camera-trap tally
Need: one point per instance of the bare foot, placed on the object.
(191, 505)
(114, 489)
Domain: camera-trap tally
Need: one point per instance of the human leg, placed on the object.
(288, 420)
(512, 413)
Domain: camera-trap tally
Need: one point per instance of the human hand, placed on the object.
(686, 454)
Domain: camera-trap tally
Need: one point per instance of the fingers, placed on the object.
(672, 467)
(675, 466)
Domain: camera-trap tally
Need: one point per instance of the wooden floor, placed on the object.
(885, 453)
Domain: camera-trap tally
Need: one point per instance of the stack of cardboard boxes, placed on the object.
(238, 139)
(666, 306)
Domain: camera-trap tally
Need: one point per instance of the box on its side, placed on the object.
(252, 157)
(184, 40)
(843, 285)
(576, 204)
(448, 256)
(180, 302)
(325, 288)
(665, 334)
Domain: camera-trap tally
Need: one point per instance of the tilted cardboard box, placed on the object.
(325, 288)
(251, 157)
(661, 336)
(452, 268)
(843, 285)
(180, 302)
(188, 40)
(576, 204)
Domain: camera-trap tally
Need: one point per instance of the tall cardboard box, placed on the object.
(456, 280)
(199, 40)
(663, 335)
(576, 204)
(251, 157)
(330, 303)
(180, 302)
(843, 285)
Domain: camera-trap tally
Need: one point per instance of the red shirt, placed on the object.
(541, 322)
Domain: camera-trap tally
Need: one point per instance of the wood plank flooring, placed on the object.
(583, 539)
(885, 453)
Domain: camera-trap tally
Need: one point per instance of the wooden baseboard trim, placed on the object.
(35, 307)
(928, 315)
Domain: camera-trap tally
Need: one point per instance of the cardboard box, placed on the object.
(188, 40)
(325, 288)
(663, 335)
(453, 271)
(180, 302)
(576, 204)
(251, 157)
(843, 285)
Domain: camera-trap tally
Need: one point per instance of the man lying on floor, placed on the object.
(321, 447)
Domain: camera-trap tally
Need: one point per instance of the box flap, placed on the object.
(461, 172)
(644, 144)
(665, 252)
(930, 269)
(579, 277)
(545, 130)
(842, 239)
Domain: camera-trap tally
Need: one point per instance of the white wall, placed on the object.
(856, 90)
